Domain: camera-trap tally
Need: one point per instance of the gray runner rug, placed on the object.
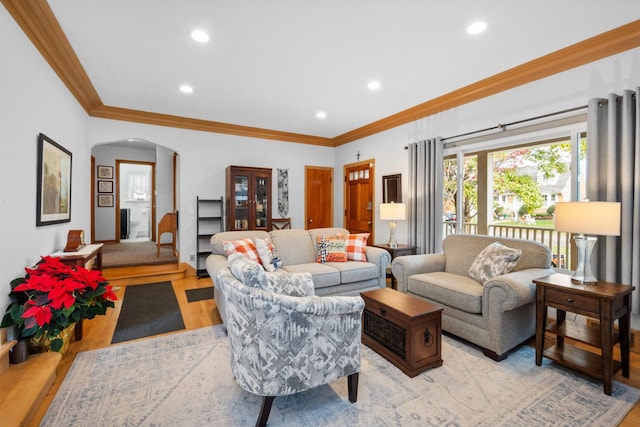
(147, 310)
(184, 379)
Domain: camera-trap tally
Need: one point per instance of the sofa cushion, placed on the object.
(242, 246)
(331, 249)
(453, 290)
(494, 260)
(294, 246)
(356, 245)
(355, 271)
(461, 250)
(323, 275)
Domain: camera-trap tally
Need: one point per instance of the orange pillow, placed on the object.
(243, 246)
(356, 245)
(331, 249)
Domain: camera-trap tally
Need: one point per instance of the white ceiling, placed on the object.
(274, 64)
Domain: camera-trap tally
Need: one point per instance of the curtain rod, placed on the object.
(503, 127)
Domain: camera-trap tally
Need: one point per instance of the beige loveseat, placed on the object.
(298, 250)
(496, 316)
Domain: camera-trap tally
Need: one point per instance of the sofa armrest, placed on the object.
(380, 258)
(512, 290)
(405, 266)
(214, 264)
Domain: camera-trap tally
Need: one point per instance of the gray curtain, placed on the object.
(613, 174)
(424, 207)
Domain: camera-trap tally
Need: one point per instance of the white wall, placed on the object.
(34, 100)
(566, 90)
(203, 158)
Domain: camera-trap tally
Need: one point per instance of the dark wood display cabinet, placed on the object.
(248, 198)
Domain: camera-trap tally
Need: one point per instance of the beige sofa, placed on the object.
(298, 250)
(496, 316)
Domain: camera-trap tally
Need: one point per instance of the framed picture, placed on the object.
(392, 188)
(105, 172)
(105, 186)
(105, 200)
(53, 204)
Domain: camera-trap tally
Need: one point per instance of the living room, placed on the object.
(35, 100)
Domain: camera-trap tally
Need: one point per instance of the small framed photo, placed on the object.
(105, 172)
(105, 186)
(105, 200)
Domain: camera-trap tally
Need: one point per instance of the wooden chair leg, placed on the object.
(352, 384)
(265, 410)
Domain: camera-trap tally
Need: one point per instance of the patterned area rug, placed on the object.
(185, 379)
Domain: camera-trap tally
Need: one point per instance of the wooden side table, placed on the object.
(82, 256)
(401, 250)
(404, 329)
(604, 301)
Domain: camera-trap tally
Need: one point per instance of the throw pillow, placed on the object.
(494, 260)
(268, 254)
(356, 245)
(243, 246)
(292, 284)
(247, 271)
(331, 249)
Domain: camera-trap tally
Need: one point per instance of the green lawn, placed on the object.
(542, 223)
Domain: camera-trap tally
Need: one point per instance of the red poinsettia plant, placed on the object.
(53, 295)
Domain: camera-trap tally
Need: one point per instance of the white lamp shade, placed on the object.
(594, 218)
(393, 211)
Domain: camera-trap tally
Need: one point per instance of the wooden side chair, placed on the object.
(168, 224)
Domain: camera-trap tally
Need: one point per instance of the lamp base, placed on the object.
(392, 243)
(583, 274)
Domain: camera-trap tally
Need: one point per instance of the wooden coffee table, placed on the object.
(403, 329)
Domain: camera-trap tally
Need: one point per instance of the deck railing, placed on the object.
(559, 242)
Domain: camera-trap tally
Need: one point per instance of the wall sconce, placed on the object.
(392, 212)
(582, 218)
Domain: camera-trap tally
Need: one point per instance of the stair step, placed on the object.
(121, 276)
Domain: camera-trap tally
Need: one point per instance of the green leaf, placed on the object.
(56, 344)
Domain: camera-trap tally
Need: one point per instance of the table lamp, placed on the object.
(392, 212)
(587, 218)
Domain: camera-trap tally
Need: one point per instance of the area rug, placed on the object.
(148, 310)
(185, 379)
(199, 294)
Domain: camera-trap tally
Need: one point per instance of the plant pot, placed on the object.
(19, 353)
(43, 344)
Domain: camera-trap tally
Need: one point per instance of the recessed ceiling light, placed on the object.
(186, 89)
(477, 27)
(200, 36)
(321, 115)
(374, 85)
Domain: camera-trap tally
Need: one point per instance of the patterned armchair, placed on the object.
(282, 344)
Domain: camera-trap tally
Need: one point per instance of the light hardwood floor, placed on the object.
(98, 333)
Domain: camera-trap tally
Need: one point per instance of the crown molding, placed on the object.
(601, 46)
(38, 22)
(123, 114)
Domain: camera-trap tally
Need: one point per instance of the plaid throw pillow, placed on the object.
(356, 245)
(244, 246)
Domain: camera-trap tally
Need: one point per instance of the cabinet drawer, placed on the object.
(574, 303)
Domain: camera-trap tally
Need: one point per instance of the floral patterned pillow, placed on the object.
(494, 260)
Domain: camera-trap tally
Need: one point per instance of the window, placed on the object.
(510, 187)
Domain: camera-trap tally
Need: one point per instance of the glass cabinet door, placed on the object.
(241, 205)
(261, 202)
